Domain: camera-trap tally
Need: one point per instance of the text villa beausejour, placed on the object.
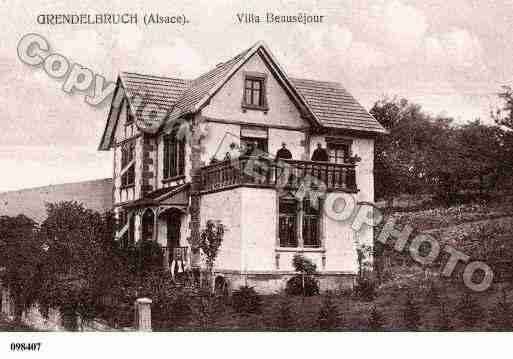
(112, 19)
(273, 18)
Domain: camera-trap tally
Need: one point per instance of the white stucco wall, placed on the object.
(226, 207)
(253, 246)
(226, 104)
(258, 233)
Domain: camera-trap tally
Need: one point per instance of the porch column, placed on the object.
(299, 224)
(166, 258)
(155, 226)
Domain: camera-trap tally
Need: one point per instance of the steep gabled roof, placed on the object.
(164, 92)
(335, 107)
(200, 87)
(326, 104)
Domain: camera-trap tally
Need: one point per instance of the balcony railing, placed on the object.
(266, 172)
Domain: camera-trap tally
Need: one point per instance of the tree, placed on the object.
(427, 154)
(503, 116)
(21, 255)
(211, 238)
(82, 261)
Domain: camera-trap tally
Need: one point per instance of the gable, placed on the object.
(226, 104)
(124, 130)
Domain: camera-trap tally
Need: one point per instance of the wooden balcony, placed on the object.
(268, 172)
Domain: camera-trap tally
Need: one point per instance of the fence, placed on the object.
(53, 321)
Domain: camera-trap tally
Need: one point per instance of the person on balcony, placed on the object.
(320, 154)
(284, 153)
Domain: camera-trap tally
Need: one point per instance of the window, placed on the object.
(294, 220)
(127, 164)
(254, 92)
(253, 137)
(339, 152)
(311, 224)
(287, 222)
(174, 156)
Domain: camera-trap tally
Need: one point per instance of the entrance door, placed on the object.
(173, 231)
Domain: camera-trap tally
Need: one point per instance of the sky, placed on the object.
(451, 57)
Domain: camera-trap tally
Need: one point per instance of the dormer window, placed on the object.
(255, 92)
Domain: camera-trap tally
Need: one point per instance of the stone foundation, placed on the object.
(272, 283)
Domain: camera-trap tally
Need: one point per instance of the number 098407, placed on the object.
(25, 346)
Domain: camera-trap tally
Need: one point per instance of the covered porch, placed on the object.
(162, 217)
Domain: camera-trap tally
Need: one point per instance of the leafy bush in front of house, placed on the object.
(501, 316)
(366, 288)
(376, 321)
(149, 256)
(302, 264)
(444, 323)
(411, 312)
(295, 286)
(246, 300)
(328, 318)
(285, 316)
(305, 282)
(469, 311)
(171, 304)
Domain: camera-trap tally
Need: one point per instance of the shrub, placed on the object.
(376, 321)
(469, 310)
(285, 318)
(149, 256)
(433, 294)
(366, 288)
(246, 300)
(171, 305)
(411, 313)
(501, 317)
(295, 286)
(303, 283)
(206, 307)
(328, 318)
(303, 265)
(444, 323)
